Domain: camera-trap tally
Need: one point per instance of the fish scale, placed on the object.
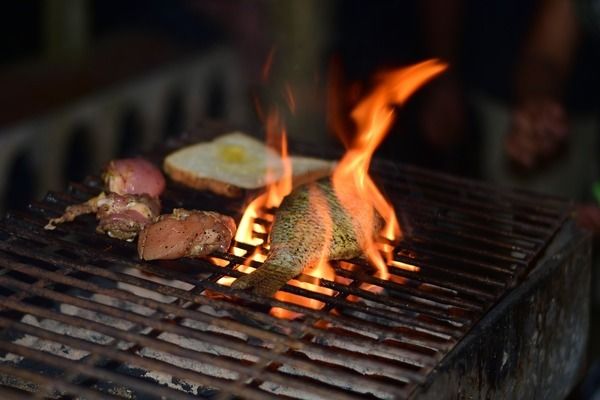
(313, 222)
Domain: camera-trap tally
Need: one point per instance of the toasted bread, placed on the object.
(236, 162)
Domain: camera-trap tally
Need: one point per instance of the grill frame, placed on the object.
(535, 338)
(432, 312)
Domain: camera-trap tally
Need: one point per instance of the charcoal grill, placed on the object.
(488, 299)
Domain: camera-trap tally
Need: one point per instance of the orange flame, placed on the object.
(271, 198)
(266, 68)
(373, 116)
(322, 270)
(290, 99)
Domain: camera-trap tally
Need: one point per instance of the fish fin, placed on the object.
(266, 280)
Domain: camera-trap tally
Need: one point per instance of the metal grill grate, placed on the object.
(81, 316)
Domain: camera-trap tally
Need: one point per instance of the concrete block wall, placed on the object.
(38, 151)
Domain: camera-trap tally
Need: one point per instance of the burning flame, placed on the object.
(272, 198)
(352, 183)
(322, 270)
(276, 191)
(373, 116)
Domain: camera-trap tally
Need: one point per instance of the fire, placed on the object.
(271, 198)
(373, 116)
(274, 194)
(322, 270)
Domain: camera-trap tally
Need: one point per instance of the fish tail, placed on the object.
(266, 280)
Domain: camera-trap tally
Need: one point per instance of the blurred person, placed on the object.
(540, 132)
(526, 68)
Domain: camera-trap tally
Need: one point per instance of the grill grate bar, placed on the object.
(432, 252)
(486, 192)
(69, 200)
(144, 341)
(121, 314)
(9, 393)
(482, 216)
(187, 296)
(445, 300)
(475, 254)
(392, 317)
(455, 288)
(421, 213)
(505, 214)
(264, 320)
(63, 364)
(46, 384)
(470, 261)
(429, 272)
(441, 264)
(429, 229)
(162, 307)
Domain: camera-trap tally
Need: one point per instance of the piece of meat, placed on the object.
(124, 216)
(74, 211)
(133, 176)
(186, 233)
(309, 225)
(119, 216)
(133, 185)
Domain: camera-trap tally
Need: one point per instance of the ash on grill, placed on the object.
(81, 316)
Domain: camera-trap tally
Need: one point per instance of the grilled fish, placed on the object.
(313, 222)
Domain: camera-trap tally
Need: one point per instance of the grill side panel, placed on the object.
(535, 339)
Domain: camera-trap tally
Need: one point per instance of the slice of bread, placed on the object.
(234, 162)
(307, 169)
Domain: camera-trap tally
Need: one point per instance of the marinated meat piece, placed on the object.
(119, 216)
(186, 233)
(311, 223)
(123, 216)
(134, 185)
(74, 211)
(133, 176)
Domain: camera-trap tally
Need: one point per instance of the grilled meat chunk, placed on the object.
(123, 216)
(133, 176)
(119, 216)
(186, 233)
(74, 211)
(133, 185)
(311, 224)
